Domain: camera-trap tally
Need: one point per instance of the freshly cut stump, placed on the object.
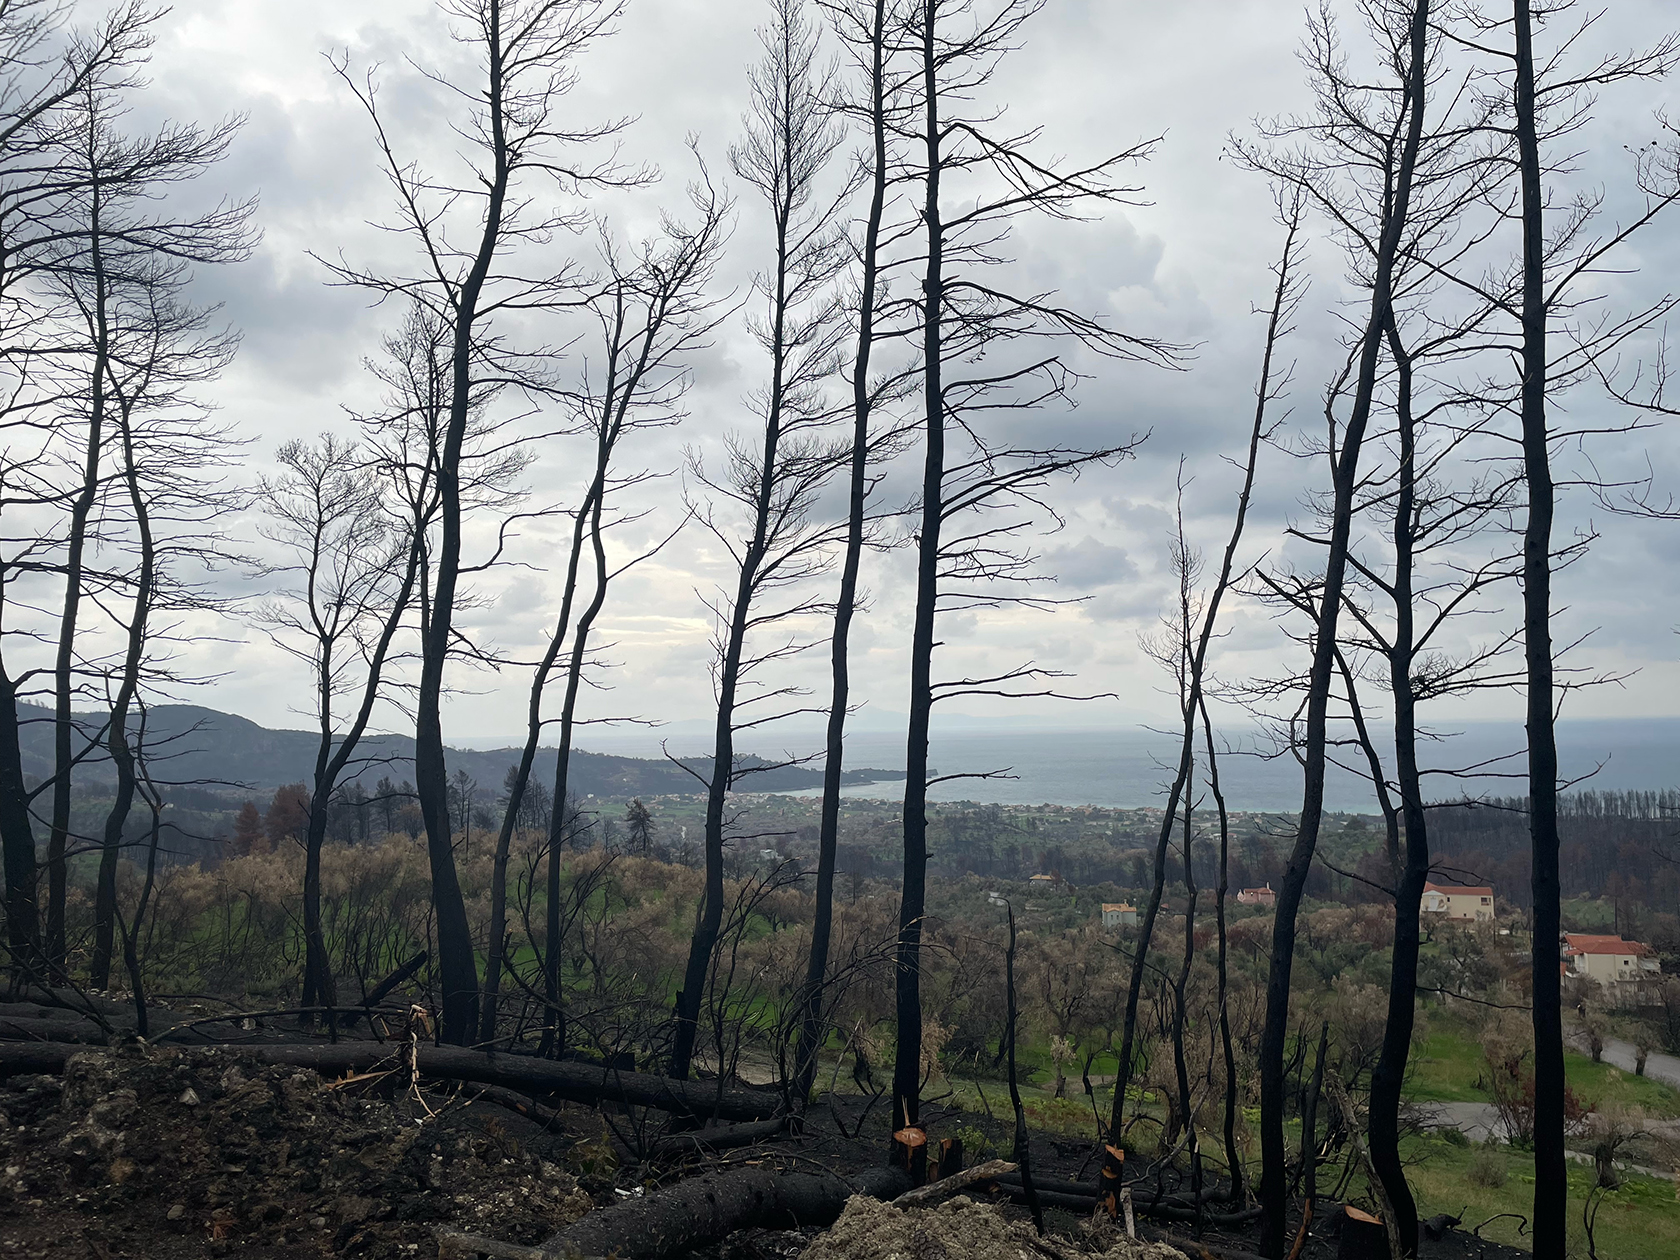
(959, 1229)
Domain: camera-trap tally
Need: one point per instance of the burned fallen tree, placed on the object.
(568, 1080)
(707, 1209)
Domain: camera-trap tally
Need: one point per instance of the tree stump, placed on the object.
(1363, 1237)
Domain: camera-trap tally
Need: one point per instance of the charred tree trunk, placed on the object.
(1284, 298)
(117, 743)
(708, 918)
(1551, 1182)
(705, 1210)
(788, 141)
(1023, 1146)
(17, 835)
(812, 1029)
(132, 929)
(64, 727)
(332, 756)
(1273, 1188)
(457, 962)
(554, 1030)
(496, 952)
(1181, 1065)
(907, 1061)
(1233, 1161)
(1389, 1075)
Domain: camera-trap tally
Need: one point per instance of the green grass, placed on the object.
(1599, 1084)
(1447, 1068)
(1450, 1065)
(1641, 1221)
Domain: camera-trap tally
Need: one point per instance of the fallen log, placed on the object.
(1076, 1197)
(572, 1081)
(93, 1005)
(704, 1210)
(702, 1142)
(36, 1058)
(1084, 1204)
(1210, 1194)
(945, 1187)
(58, 1028)
(519, 1104)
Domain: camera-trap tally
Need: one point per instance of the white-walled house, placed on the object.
(1608, 959)
(1461, 902)
(1118, 914)
(1257, 896)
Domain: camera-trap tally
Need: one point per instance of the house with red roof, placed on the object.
(1608, 959)
(1458, 901)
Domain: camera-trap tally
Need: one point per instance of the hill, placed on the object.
(204, 748)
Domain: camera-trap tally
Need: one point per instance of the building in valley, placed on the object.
(1608, 959)
(1257, 896)
(1119, 914)
(1462, 902)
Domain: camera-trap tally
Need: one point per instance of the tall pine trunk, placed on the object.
(1389, 1075)
(1273, 1153)
(496, 954)
(554, 1029)
(1551, 1182)
(812, 1028)
(907, 1061)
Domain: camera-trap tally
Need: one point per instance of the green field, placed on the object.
(1450, 1067)
(1640, 1221)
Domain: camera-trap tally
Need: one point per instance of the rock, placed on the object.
(176, 1211)
(188, 1097)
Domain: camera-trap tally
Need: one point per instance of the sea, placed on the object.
(1131, 767)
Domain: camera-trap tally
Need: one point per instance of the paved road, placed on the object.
(1477, 1121)
(1658, 1066)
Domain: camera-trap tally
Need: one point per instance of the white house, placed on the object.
(1257, 896)
(1454, 901)
(1608, 959)
(1118, 914)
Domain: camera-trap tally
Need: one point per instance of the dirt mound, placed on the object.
(173, 1153)
(959, 1229)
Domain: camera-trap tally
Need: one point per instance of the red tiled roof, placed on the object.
(1455, 890)
(1583, 943)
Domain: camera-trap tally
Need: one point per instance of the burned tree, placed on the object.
(1542, 99)
(119, 274)
(478, 234)
(868, 31)
(1336, 143)
(653, 313)
(52, 76)
(762, 500)
(1190, 661)
(353, 571)
(984, 349)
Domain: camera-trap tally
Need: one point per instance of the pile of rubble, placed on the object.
(958, 1229)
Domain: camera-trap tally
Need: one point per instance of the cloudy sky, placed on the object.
(1098, 76)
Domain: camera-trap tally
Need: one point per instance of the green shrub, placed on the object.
(1453, 1137)
(1489, 1167)
(976, 1145)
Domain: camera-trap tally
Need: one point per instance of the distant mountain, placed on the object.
(205, 748)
